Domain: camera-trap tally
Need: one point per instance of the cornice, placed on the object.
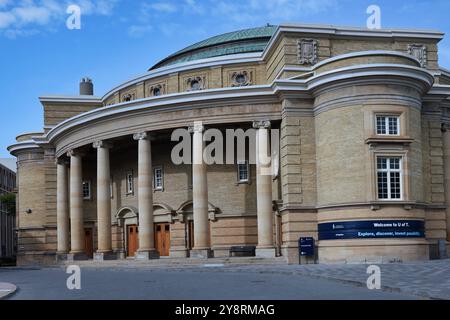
(70, 99)
(415, 77)
(337, 31)
(28, 145)
(191, 65)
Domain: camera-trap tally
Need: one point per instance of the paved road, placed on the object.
(190, 284)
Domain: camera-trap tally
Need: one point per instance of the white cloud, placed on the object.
(193, 6)
(283, 10)
(165, 7)
(6, 19)
(137, 31)
(38, 15)
(21, 17)
(4, 3)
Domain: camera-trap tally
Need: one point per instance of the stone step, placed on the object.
(179, 262)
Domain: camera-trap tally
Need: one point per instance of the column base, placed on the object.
(77, 256)
(201, 253)
(61, 256)
(265, 252)
(146, 255)
(105, 256)
(184, 253)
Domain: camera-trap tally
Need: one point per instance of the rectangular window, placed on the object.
(389, 177)
(388, 125)
(158, 178)
(243, 171)
(87, 190)
(130, 183)
(111, 188)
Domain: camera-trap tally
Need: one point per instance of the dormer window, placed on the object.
(195, 85)
(127, 97)
(156, 92)
(387, 125)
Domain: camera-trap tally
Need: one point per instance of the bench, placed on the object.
(242, 251)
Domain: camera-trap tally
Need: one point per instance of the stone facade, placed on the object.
(327, 93)
(7, 218)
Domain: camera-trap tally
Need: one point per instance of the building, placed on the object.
(7, 219)
(364, 153)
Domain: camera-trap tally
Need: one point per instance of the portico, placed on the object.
(72, 205)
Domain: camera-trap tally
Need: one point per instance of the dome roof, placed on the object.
(242, 41)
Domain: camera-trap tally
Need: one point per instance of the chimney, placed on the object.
(86, 87)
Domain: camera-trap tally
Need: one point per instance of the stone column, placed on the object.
(446, 138)
(202, 243)
(145, 198)
(265, 214)
(104, 251)
(77, 240)
(62, 207)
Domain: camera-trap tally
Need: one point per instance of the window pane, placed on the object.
(158, 178)
(86, 190)
(130, 185)
(381, 163)
(243, 171)
(382, 185)
(395, 185)
(395, 163)
(381, 125)
(393, 125)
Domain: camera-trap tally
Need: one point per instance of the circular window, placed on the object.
(156, 92)
(195, 85)
(241, 79)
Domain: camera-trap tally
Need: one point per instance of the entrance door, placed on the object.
(162, 238)
(88, 242)
(190, 235)
(132, 239)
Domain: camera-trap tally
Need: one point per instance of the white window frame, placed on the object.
(89, 190)
(111, 188)
(386, 124)
(129, 180)
(155, 186)
(388, 170)
(246, 164)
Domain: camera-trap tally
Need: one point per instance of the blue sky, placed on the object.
(123, 38)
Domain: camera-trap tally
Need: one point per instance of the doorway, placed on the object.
(162, 238)
(88, 242)
(190, 235)
(132, 240)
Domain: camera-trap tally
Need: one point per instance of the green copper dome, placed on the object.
(242, 41)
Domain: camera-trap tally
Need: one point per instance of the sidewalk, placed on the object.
(6, 289)
(427, 279)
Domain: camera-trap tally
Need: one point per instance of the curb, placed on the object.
(6, 290)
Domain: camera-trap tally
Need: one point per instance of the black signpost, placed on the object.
(306, 247)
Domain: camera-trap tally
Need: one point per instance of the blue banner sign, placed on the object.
(372, 229)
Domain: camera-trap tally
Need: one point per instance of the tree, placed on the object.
(9, 200)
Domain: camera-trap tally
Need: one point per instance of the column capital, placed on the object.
(102, 144)
(61, 161)
(141, 136)
(73, 152)
(261, 124)
(197, 127)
